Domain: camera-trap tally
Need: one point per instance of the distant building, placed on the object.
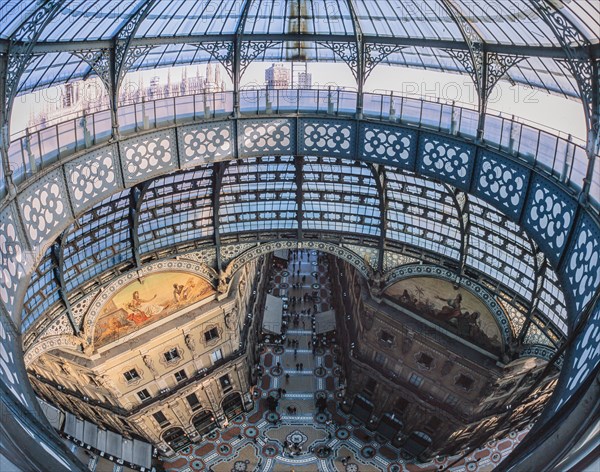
(277, 77)
(304, 80)
(91, 95)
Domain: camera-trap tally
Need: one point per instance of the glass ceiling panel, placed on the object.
(191, 17)
(13, 13)
(52, 68)
(299, 17)
(407, 19)
(79, 20)
(508, 22)
(585, 15)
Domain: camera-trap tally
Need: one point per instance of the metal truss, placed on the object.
(484, 67)
(585, 69)
(57, 253)
(461, 203)
(299, 168)
(13, 63)
(112, 63)
(217, 183)
(136, 198)
(539, 267)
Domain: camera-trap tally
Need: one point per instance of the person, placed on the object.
(453, 308)
(301, 366)
(140, 309)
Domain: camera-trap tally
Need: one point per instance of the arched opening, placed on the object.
(204, 422)
(232, 405)
(176, 438)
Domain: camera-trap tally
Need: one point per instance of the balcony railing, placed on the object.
(551, 152)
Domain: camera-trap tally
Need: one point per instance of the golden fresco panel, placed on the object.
(457, 310)
(139, 304)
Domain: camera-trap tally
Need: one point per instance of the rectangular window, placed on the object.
(211, 334)
(181, 375)
(401, 405)
(386, 337)
(193, 401)
(161, 419)
(465, 382)
(216, 356)
(144, 395)
(370, 387)
(171, 355)
(451, 400)
(131, 375)
(416, 380)
(226, 383)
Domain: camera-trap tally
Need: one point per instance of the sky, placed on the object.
(533, 105)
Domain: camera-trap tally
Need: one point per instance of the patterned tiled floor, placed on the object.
(261, 441)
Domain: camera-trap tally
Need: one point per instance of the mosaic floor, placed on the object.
(296, 437)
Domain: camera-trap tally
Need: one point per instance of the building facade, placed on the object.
(191, 372)
(423, 385)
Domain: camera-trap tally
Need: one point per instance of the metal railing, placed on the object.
(557, 155)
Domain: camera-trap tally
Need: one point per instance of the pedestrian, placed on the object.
(344, 461)
(283, 391)
(297, 366)
(309, 343)
(301, 366)
(287, 378)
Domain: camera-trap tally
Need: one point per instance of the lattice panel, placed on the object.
(147, 156)
(264, 137)
(93, 176)
(501, 183)
(59, 326)
(549, 217)
(204, 143)
(582, 267)
(370, 255)
(326, 138)
(44, 207)
(230, 252)
(9, 369)
(208, 257)
(389, 145)
(587, 353)
(446, 159)
(12, 257)
(391, 260)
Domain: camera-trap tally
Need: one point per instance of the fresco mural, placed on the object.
(459, 311)
(141, 303)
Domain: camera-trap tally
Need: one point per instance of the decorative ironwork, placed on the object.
(221, 51)
(585, 70)
(21, 46)
(347, 52)
(375, 53)
(497, 66)
(125, 56)
(99, 62)
(250, 50)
